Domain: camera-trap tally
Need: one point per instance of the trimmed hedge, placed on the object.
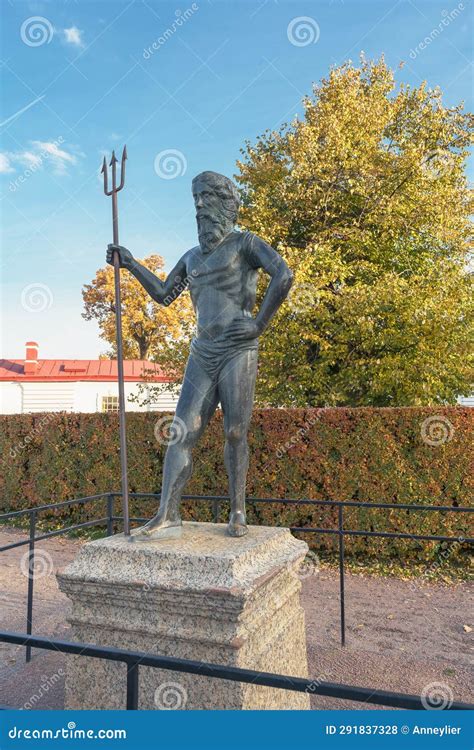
(372, 455)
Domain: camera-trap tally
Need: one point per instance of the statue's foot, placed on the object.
(237, 525)
(159, 527)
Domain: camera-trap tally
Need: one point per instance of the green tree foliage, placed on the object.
(367, 199)
(403, 455)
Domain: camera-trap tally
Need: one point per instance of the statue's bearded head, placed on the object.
(217, 205)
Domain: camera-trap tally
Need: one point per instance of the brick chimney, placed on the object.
(31, 361)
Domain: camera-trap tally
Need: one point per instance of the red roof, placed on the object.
(58, 370)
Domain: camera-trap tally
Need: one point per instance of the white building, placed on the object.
(76, 385)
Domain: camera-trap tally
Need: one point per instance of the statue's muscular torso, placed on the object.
(222, 283)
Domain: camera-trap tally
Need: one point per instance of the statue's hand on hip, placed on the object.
(244, 328)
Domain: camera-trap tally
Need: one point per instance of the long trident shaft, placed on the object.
(118, 328)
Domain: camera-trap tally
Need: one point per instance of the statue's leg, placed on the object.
(196, 405)
(236, 387)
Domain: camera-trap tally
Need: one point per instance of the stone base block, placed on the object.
(205, 596)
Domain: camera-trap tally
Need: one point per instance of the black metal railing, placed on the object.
(110, 519)
(33, 538)
(135, 659)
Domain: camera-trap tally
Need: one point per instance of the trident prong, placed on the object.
(113, 163)
(104, 172)
(122, 168)
(118, 321)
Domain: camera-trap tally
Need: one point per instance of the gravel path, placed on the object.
(400, 635)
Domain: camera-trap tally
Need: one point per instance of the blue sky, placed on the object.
(81, 78)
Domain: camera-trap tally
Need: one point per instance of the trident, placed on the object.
(118, 327)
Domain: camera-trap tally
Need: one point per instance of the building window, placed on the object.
(110, 403)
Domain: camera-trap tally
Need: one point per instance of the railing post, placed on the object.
(216, 510)
(31, 580)
(110, 514)
(341, 575)
(132, 686)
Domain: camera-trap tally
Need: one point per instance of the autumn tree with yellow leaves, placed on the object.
(366, 198)
(150, 330)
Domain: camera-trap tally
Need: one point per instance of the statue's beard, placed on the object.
(212, 230)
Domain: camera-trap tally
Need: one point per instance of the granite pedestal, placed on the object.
(205, 596)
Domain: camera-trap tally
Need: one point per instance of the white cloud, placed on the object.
(27, 158)
(5, 165)
(73, 36)
(37, 155)
(58, 156)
